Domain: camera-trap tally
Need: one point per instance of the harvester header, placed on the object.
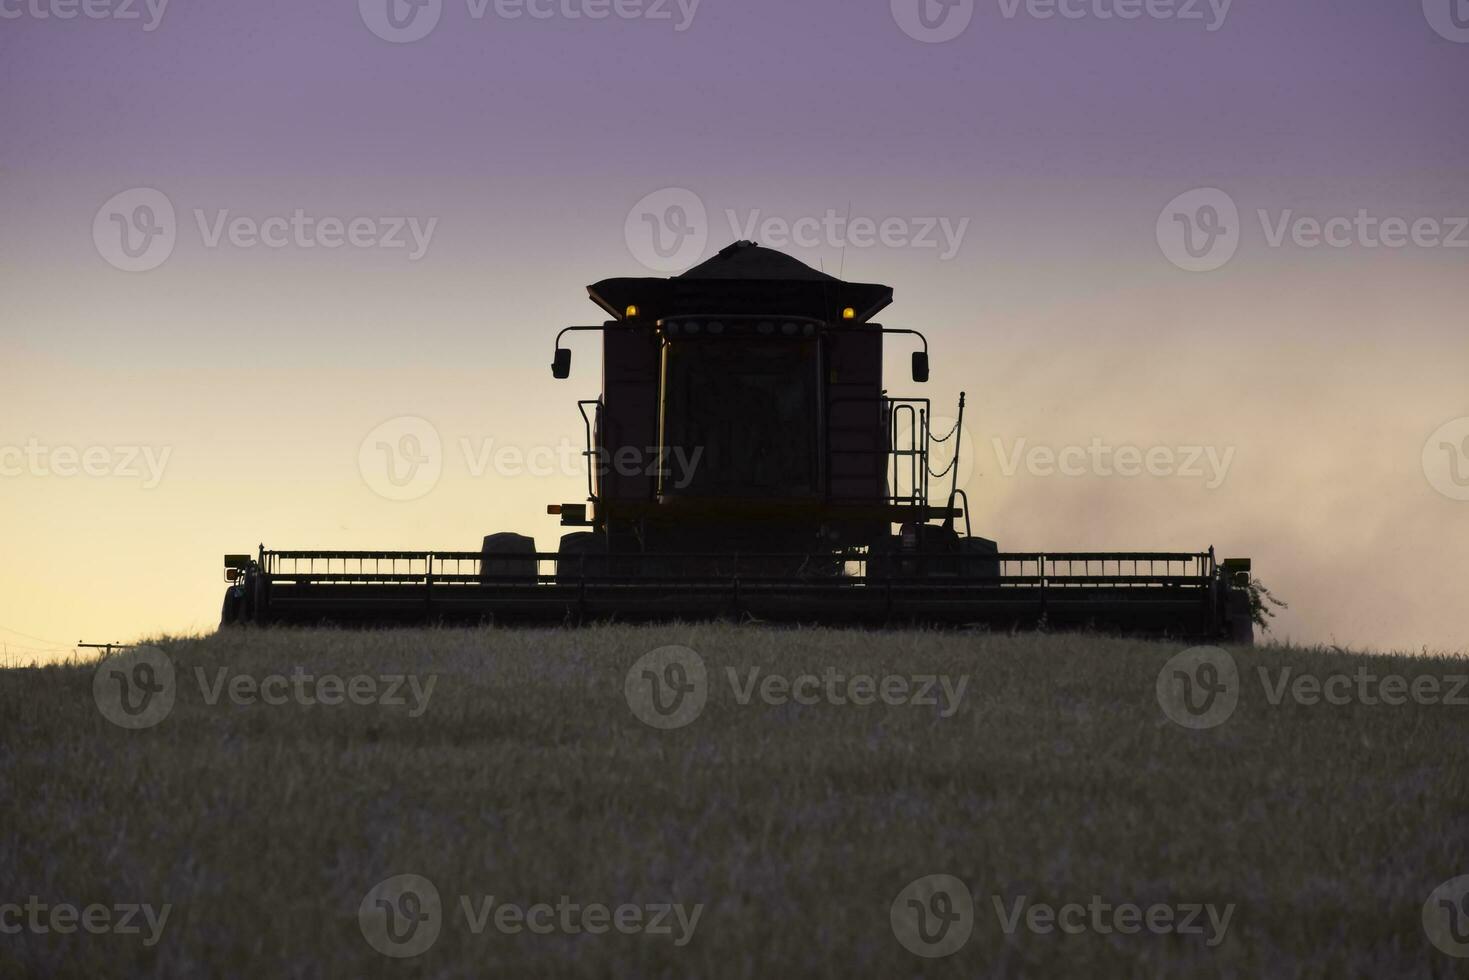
(785, 483)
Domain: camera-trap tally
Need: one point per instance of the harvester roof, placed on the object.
(744, 278)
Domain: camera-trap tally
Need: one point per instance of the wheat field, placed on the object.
(598, 802)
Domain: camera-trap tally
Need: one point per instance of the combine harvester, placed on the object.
(745, 461)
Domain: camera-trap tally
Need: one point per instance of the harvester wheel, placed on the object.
(1240, 619)
(978, 558)
(582, 554)
(229, 613)
(508, 556)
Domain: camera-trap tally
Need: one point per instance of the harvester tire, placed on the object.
(229, 613)
(978, 558)
(582, 554)
(508, 556)
(1240, 619)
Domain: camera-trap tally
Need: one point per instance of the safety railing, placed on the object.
(1049, 571)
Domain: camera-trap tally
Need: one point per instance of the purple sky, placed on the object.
(528, 141)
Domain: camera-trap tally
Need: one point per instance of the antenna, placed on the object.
(841, 272)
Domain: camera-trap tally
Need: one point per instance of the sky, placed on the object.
(1208, 260)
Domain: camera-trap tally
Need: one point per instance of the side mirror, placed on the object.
(561, 364)
(920, 366)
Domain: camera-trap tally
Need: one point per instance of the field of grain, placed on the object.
(763, 827)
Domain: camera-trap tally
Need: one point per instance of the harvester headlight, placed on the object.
(809, 330)
(716, 327)
(692, 326)
(766, 327)
(849, 314)
(632, 312)
(671, 330)
(789, 329)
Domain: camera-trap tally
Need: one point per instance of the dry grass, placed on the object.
(528, 778)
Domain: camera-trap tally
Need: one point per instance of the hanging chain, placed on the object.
(944, 438)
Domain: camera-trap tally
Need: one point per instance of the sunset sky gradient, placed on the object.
(261, 370)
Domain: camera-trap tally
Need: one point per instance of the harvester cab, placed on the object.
(743, 411)
(745, 459)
